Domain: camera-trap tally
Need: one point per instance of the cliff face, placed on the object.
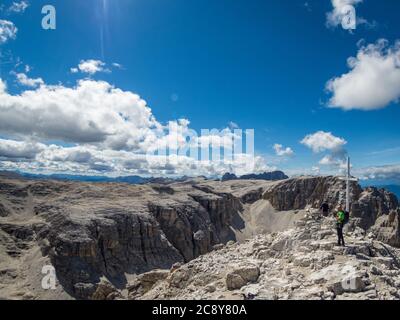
(84, 250)
(295, 194)
(301, 263)
(379, 210)
(371, 209)
(93, 233)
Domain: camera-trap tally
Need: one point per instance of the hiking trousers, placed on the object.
(339, 228)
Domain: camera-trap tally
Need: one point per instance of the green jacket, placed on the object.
(340, 216)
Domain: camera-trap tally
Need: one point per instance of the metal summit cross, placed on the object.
(348, 178)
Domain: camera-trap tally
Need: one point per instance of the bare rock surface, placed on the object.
(119, 241)
(294, 264)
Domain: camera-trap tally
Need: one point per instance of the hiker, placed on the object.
(325, 209)
(340, 221)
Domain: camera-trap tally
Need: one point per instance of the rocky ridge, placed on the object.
(100, 236)
(301, 263)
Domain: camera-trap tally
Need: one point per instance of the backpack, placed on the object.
(346, 217)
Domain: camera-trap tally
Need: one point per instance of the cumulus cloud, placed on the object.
(90, 67)
(328, 160)
(335, 17)
(93, 160)
(91, 112)
(388, 172)
(18, 6)
(321, 141)
(95, 112)
(336, 160)
(108, 131)
(282, 151)
(23, 79)
(373, 81)
(19, 149)
(7, 31)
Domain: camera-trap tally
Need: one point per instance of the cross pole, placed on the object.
(348, 178)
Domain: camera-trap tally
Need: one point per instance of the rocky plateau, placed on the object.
(196, 239)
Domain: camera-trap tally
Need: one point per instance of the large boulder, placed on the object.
(240, 276)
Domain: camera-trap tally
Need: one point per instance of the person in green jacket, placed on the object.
(340, 219)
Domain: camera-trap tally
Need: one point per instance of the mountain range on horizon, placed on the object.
(136, 179)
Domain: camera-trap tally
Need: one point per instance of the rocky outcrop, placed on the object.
(99, 235)
(370, 208)
(241, 276)
(145, 282)
(109, 244)
(387, 228)
(189, 234)
(372, 204)
(300, 263)
(92, 232)
(298, 193)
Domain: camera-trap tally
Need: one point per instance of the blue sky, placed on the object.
(259, 64)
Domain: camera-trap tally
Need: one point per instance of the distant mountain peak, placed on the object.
(269, 176)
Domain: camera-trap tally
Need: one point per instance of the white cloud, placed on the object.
(91, 112)
(373, 81)
(90, 66)
(389, 172)
(111, 132)
(316, 170)
(327, 161)
(336, 160)
(93, 160)
(283, 152)
(334, 18)
(18, 7)
(7, 31)
(19, 149)
(321, 141)
(29, 82)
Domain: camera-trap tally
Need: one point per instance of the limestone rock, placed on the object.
(201, 232)
(240, 276)
(105, 291)
(145, 282)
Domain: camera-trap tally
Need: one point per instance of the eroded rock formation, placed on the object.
(99, 235)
